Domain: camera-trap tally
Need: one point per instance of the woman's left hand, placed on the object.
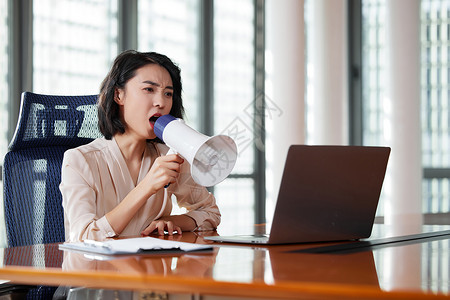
(160, 227)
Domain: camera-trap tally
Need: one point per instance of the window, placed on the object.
(373, 72)
(177, 36)
(435, 92)
(231, 100)
(74, 43)
(374, 54)
(435, 40)
(435, 73)
(234, 99)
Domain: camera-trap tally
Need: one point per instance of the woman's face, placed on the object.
(146, 96)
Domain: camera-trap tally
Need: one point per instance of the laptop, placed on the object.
(327, 193)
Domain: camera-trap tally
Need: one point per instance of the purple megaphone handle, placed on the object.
(161, 124)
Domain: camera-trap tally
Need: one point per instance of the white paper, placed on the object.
(134, 245)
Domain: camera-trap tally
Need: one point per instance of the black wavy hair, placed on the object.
(123, 69)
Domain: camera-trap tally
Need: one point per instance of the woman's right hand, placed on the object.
(165, 170)
(160, 227)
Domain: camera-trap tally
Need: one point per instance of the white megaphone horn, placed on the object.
(211, 158)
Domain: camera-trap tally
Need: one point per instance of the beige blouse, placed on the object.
(95, 178)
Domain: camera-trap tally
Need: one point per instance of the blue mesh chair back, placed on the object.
(47, 127)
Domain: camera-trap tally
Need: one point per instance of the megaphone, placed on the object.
(211, 158)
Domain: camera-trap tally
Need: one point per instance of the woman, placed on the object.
(114, 186)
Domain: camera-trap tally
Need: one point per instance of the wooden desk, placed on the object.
(413, 270)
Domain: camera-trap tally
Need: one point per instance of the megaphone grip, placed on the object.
(171, 151)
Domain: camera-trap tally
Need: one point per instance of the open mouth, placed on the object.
(153, 119)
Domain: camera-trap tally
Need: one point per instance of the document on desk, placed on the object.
(141, 245)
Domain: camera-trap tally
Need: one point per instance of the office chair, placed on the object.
(47, 127)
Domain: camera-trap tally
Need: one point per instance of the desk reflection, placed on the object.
(183, 264)
(41, 255)
(198, 265)
(355, 269)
